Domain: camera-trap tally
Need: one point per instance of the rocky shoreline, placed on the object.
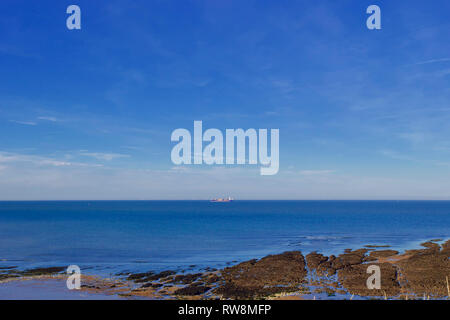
(414, 274)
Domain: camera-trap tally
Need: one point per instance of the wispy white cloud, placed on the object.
(396, 155)
(104, 156)
(52, 119)
(31, 182)
(413, 137)
(26, 123)
(433, 61)
(315, 172)
(16, 158)
(442, 163)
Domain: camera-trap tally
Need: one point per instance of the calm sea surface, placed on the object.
(105, 237)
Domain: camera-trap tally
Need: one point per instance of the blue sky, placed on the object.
(88, 114)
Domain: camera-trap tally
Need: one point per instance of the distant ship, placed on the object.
(229, 199)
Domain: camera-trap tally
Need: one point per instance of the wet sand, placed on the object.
(46, 289)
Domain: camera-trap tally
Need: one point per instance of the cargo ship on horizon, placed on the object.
(229, 199)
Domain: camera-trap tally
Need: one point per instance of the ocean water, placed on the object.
(106, 237)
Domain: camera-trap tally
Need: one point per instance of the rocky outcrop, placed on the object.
(424, 271)
(260, 278)
(354, 279)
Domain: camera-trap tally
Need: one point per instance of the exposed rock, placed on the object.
(350, 258)
(354, 279)
(43, 271)
(375, 255)
(431, 245)
(138, 276)
(6, 276)
(425, 270)
(446, 248)
(318, 262)
(415, 273)
(150, 276)
(151, 285)
(376, 246)
(209, 269)
(192, 290)
(329, 265)
(260, 278)
(315, 259)
(186, 278)
(163, 274)
(211, 278)
(8, 268)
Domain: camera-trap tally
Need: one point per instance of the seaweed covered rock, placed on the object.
(260, 278)
(375, 255)
(324, 265)
(315, 259)
(186, 278)
(194, 289)
(349, 258)
(150, 276)
(425, 271)
(319, 263)
(42, 271)
(354, 279)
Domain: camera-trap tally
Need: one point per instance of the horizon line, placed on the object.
(202, 200)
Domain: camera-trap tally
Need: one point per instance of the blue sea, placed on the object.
(107, 237)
